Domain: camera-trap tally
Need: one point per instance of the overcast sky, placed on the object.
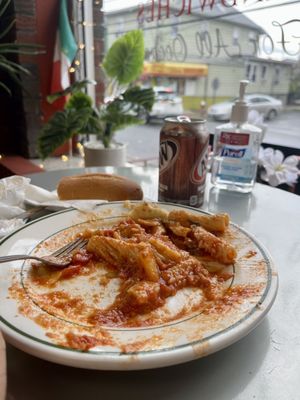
(283, 12)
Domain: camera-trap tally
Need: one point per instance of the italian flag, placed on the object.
(64, 53)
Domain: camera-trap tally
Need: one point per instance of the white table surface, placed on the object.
(263, 365)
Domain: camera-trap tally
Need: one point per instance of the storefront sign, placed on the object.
(158, 9)
(175, 69)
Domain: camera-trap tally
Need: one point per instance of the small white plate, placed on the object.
(34, 328)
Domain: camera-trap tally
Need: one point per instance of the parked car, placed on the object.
(266, 105)
(167, 104)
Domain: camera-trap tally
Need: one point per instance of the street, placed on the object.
(143, 140)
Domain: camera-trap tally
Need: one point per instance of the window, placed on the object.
(263, 72)
(251, 72)
(253, 76)
(121, 27)
(277, 76)
(248, 71)
(257, 100)
(235, 36)
(233, 43)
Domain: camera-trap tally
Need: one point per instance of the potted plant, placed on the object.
(125, 104)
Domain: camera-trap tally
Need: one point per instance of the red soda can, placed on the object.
(183, 154)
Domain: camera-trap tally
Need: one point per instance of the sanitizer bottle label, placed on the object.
(235, 153)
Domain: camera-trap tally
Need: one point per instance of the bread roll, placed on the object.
(98, 186)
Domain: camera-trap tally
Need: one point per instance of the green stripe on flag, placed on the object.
(67, 41)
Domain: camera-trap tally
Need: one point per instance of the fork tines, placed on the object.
(76, 244)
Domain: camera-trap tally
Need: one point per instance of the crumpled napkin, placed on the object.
(17, 195)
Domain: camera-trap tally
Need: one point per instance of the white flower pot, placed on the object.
(96, 155)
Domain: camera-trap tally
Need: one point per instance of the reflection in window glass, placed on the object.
(203, 51)
(224, 41)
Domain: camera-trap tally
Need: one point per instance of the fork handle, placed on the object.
(16, 257)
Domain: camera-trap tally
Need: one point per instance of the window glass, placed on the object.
(203, 49)
(263, 71)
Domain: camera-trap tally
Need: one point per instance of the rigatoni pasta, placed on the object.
(160, 253)
(218, 248)
(153, 254)
(212, 223)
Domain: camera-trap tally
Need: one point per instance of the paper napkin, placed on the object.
(17, 195)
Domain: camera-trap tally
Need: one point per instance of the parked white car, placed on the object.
(268, 106)
(167, 104)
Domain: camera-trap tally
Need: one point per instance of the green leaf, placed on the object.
(13, 72)
(141, 97)
(83, 104)
(79, 100)
(93, 126)
(74, 88)
(21, 48)
(15, 67)
(10, 67)
(124, 60)
(117, 120)
(5, 65)
(3, 86)
(7, 29)
(121, 120)
(3, 6)
(123, 63)
(61, 127)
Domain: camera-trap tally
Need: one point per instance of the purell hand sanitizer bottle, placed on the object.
(236, 147)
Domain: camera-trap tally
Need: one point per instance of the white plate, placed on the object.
(195, 335)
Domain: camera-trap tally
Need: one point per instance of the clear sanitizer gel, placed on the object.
(236, 148)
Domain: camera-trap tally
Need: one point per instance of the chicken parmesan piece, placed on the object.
(119, 253)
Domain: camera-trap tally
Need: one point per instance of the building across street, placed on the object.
(202, 56)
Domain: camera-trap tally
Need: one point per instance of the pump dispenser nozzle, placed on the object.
(239, 113)
(243, 85)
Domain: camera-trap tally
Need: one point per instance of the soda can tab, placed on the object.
(183, 155)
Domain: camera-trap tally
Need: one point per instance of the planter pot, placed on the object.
(96, 155)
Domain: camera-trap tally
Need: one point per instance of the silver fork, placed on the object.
(60, 258)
